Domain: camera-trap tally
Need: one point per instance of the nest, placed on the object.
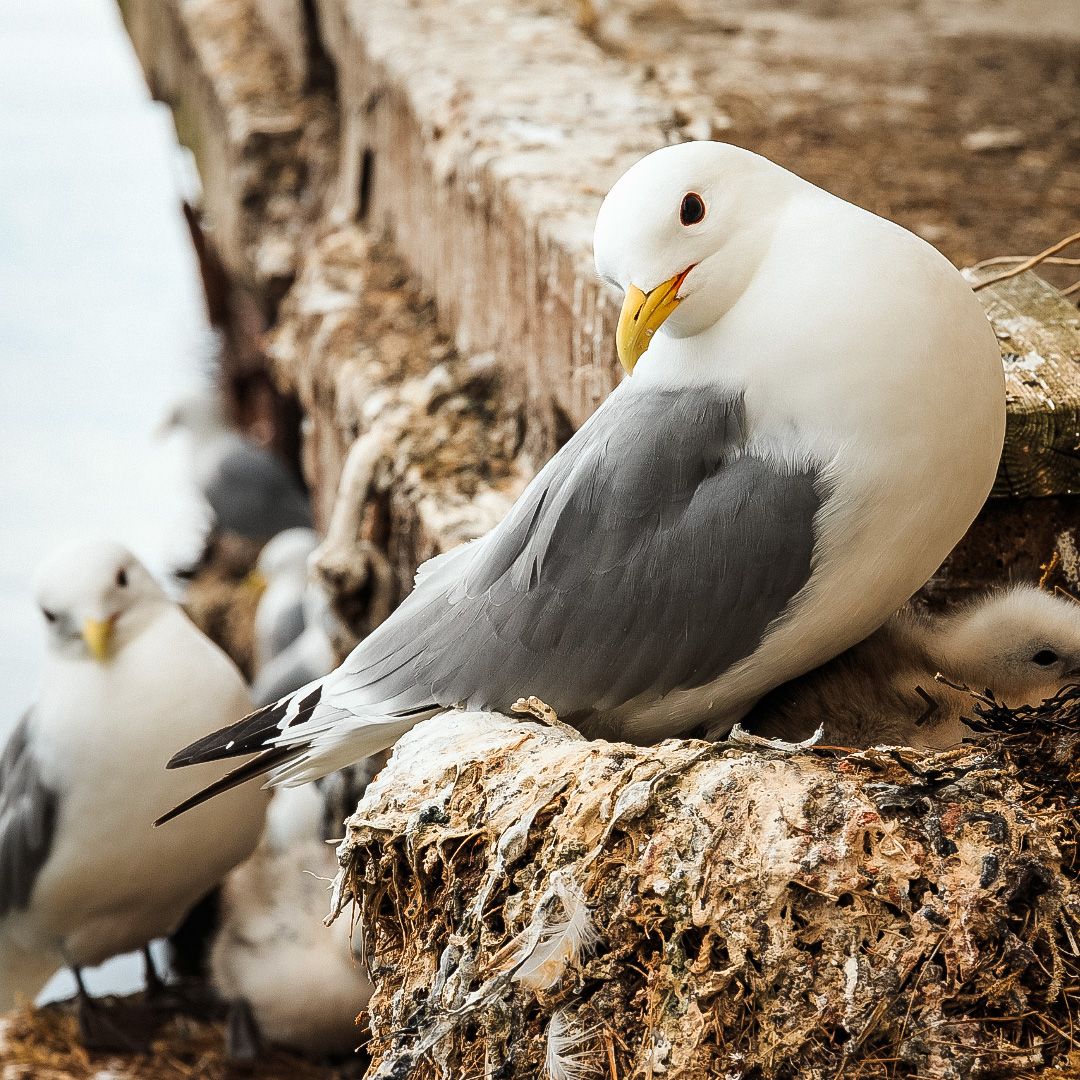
(760, 914)
(43, 1044)
(1040, 745)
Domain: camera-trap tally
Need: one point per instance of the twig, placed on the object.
(1049, 568)
(1028, 264)
(611, 1055)
(1003, 260)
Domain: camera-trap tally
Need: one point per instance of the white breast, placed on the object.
(869, 355)
(104, 734)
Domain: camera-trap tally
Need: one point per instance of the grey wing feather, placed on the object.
(286, 673)
(28, 808)
(284, 629)
(252, 493)
(650, 555)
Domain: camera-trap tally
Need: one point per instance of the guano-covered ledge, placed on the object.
(696, 910)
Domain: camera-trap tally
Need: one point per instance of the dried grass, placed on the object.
(42, 1044)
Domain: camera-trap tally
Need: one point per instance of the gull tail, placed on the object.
(251, 735)
(258, 765)
(295, 740)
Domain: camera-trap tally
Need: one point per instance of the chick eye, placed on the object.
(50, 616)
(1045, 657)
(692, 209)
(121, 578)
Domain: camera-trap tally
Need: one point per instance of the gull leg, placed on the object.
(540, 710)
(97, 1028)
(192, 997)
(243, 1039)
(155, 984)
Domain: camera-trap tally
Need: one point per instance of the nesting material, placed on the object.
(761, 912)
(43, 1044)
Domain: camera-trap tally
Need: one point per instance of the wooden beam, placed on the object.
(1039, 332)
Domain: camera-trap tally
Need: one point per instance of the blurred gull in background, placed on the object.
(102, 318)
(282, 572)
(249, 490)
(83, 877)
(289, 979)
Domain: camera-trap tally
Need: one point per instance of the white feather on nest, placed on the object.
(545, 954)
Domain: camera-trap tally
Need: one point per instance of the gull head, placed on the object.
(286, 555)
(682, 234)
(1022, 643)
(284, 558)
(95, 597)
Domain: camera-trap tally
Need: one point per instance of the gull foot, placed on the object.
(540, 710)
(117, 1028)
(243, 1039)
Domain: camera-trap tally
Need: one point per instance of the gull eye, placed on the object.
(693, 208)
(1045, 657)
(50, 616)
(121, 578)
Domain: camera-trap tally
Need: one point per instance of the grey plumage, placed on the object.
(286, 627)
(252, 493)
(649, 555)
(308, 658)
(27, 819)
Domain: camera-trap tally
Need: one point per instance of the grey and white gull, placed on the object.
(249, 490)
(83, 876)
(813, 416)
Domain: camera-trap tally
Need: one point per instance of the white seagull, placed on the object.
(250, 491)
(83, 876)
(282, 571)
(1021, 644)
(309, 657)
(289, 979)
(815, 416)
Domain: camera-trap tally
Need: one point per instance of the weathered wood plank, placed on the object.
(264, 149)
(1039, 331)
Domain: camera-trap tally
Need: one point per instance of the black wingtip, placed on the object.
(261, 763)
(247, 736)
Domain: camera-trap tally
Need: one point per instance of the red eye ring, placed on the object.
(692, 209)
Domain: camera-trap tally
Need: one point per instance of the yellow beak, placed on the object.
(642, 315)
(97, 633)
(255, 583)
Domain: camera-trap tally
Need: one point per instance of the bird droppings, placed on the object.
(762, 913)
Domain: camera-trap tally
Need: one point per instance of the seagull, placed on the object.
(307, 658)
(289, 979)
(249, 490)
(282, 572)
(812, 416)
(1021, 644)
(83, 877)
